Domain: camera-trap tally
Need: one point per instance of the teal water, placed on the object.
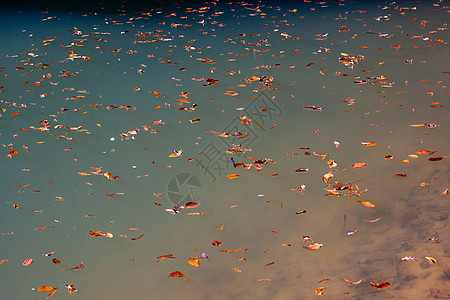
(167, 52)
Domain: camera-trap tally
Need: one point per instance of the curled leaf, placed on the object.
(177, 274)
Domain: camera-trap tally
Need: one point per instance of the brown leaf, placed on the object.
(435, 158)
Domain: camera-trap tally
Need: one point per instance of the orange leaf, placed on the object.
(380, 285)
(191, 204)
(177, 274)
(231, 93)
(13, 151)
(15, 113)
(372, 221)
(368, 144)
(319, 290)
(359, 165)
(96, 233)
(216, 243)
(367, 203)
(84, 173)
(27, 262)
(314, 246)
(52, 293)
(45, 288)
(232, 176)
(194, 261)
(400, 175)
(422, 151)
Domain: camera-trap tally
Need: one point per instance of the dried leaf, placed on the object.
(177, 274)
(79, 267)
(314, 246)
(96, 233)
(194, 261)
(380, 285)
(352, 282)
(232, 176)
(431, 259)
(45, 288)
(84, 173)
(367, 203)
(191, 204)
(27, 262)
(216, 243)
(319, 291)
(368, 144)
(359, 165)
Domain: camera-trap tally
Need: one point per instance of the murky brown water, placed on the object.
(103, 78)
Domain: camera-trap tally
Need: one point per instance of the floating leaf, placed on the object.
(96, 233)
(27, 262)
(194, 261)
(192, 204)
(45, 288)
(380, 285)
(84, 173)
(319, 291)
(314, 246)
(331, 163)
(367, 203)
(177, 274)
(423, 151)
(216, 243)
(232, 176)
(352, 282)
(435, 158)
(431, 259)
(56, 261)
(79, 267)
(359, 165)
